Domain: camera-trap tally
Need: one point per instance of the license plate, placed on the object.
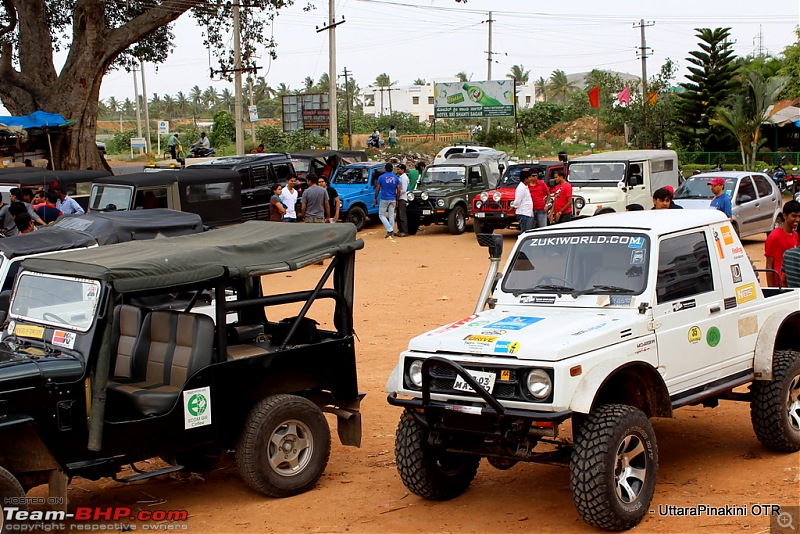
(480, 214)
(427, 212)
(486, 380)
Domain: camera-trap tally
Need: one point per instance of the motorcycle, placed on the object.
(373, 142)
(200, 152)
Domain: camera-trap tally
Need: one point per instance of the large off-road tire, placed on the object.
(11, 495)
(357, 216)
(284, 446)
(413, 225)
(428, 472)
(775, 407)
(613, 467)
(480, 227)
(457, 220)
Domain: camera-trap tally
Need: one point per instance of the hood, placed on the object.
(441, 190)
(597, 195)
(350, 190)
(693, 203)
(552, 335)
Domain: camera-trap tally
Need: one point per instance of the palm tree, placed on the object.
(113, 105)
(385, 83)
(519, 74)
(419, 81)
(282, 90)
(156, 105)
(462, 76)
(541, 88)
(559, 86)
(169, 106)
(261, 89)
(210, 97)
(181, 104)
(128, 107)
(308, 83)
(324, 83)
(227, 100)
(748, 111)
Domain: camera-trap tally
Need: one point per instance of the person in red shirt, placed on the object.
(562, 199)
(780, 240)
(539, 194)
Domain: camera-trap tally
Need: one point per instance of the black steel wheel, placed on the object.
(284, 446)
(775, 408)
(357, 216)
(12, 494)
(457, 220)
(426, 471)
(613, 467)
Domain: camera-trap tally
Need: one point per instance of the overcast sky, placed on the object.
(435, 39)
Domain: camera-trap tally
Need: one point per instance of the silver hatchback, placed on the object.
(755, 199)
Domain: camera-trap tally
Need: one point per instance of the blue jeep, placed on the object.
(356, 187)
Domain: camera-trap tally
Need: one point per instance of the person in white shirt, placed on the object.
(66, 204)
(402, 202)
(203, 143)
(523, 202)
(289, 197)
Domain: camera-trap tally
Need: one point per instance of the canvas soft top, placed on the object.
(250, 249)
(121, 226)
(627, 155)
(46, 239)
(43, 178)
(356, 155)
(188, 175)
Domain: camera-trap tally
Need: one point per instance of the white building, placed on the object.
(418, 99)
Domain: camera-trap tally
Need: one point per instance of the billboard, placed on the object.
(305, 112)
(464, 100)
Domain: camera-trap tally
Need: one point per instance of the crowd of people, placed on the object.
(26, 210)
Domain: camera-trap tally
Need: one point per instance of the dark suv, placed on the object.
(258, 172)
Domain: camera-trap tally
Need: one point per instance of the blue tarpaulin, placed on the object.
(37, 119)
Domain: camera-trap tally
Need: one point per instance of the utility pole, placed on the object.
(237, 78)
(136, 103)
(349, 103)
(331, 28)
(644, 52)
(489, 69)
(146, 111)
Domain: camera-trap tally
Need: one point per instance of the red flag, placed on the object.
(624, 97)
(594, 96)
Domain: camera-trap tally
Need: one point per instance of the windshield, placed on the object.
(444, 175)
(511, 177)
(597, 172)
(355, 175)
(110, 197)
(301, 165)
(56, 300)
(698, 188)
(601, 263)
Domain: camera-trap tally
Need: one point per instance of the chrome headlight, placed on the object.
(415, 373)
(539, 384)
(410, 196)
(478, 204)
(440, 202)
(424, 195)
(484, 196)
(579, 203)
(497, 196)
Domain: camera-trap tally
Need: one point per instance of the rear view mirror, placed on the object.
(494, 242)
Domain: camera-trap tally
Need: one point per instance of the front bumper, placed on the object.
(492, 420)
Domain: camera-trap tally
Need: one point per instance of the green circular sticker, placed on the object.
(197, 404)
(713, 336)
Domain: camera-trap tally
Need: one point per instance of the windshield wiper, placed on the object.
(601, 287)
(544, 288)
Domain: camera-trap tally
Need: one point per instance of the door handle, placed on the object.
(714, 309)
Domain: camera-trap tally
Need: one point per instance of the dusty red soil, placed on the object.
(405, 287)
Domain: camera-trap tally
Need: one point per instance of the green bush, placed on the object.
(223, 130)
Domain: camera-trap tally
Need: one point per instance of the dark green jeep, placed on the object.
(444, 192)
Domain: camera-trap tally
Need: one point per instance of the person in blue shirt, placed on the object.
(721, 201)
(388, 190)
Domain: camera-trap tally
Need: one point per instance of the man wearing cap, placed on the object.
(523, 203)
(721, 201)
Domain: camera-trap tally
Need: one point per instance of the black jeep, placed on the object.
(91, 379)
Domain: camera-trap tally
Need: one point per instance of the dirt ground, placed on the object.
(406, 287)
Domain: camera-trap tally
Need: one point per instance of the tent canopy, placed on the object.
(37, 119)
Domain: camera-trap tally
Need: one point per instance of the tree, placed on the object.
(103, 35)
(791, 68)
(711, 81)
(519, 74)
(462, 76)
(419, 81)
(748, 110)
(541, 88)
(559, 87)
(308, 83)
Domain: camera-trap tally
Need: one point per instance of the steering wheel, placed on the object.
(47, 316)
(550, 279)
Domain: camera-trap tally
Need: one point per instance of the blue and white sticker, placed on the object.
(515, 322)
(507, 347)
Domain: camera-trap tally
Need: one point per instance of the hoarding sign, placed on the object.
(294, 106)
(464, 100)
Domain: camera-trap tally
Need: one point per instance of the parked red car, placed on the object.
(492, 210)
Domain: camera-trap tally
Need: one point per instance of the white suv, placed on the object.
(447, 151)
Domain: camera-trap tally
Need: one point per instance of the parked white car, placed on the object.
(755, 199)
(448, 151)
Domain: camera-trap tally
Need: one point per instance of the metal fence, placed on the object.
(734, 159)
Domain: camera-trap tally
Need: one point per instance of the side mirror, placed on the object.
(562, 156)
(494, 242)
